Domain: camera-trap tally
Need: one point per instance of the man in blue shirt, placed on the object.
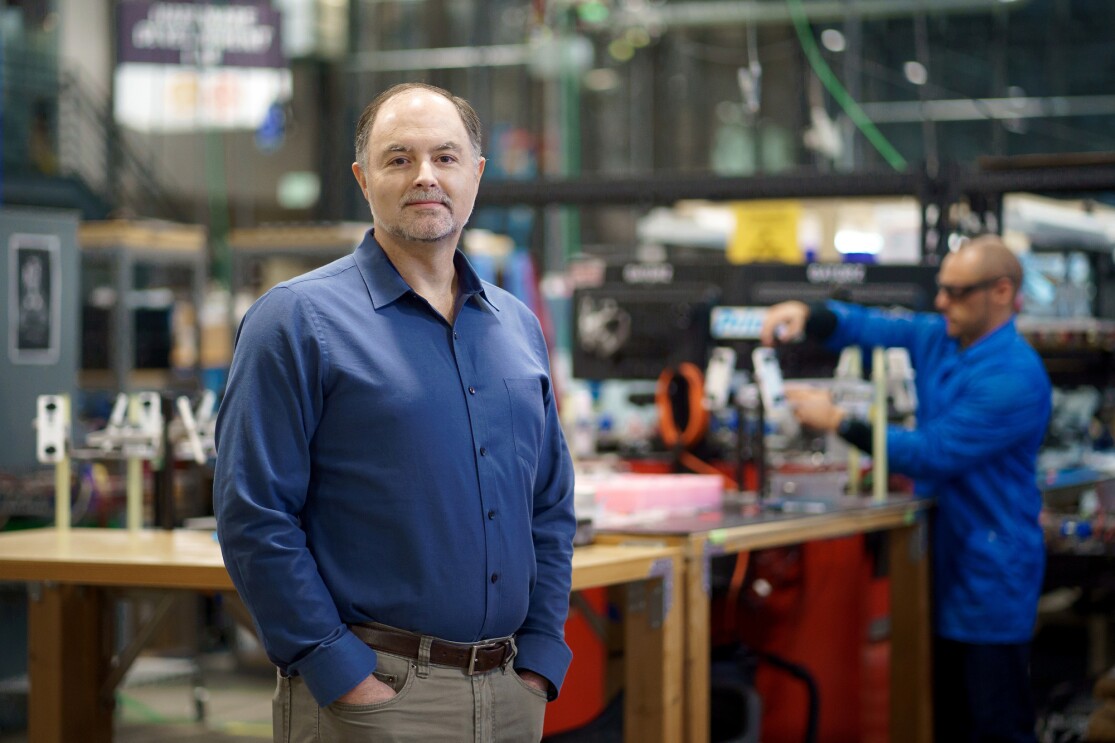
(393, 491)
(984, 403)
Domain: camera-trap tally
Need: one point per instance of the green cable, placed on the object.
(832, 84)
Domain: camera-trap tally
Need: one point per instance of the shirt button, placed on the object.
(472, 390)
(492, 514)
(495, 577)
(483, 451)
(455, 336)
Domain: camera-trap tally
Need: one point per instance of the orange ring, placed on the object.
(697, 425)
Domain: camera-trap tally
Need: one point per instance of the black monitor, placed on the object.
(634, 332)
(645, 317)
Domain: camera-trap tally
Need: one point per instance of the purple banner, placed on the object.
(199, 33)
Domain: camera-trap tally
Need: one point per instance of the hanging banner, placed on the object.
(198, 64)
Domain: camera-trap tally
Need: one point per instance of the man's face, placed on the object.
(963, 297)
(421, 174)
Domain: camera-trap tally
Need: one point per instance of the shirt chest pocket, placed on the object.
(528, 415)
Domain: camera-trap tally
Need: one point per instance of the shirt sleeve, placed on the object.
(266, 421)
(541, 639)
(868, 326)
(997, 412)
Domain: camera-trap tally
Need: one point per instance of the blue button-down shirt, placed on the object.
(982, 414)
(377, 463)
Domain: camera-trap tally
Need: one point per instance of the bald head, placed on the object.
(993, 259)
(978, 288)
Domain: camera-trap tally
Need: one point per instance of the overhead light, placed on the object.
(915, 72)
(621, 50)
(593, 12)
(601, 80)
(298, 189)
(637, 37)
(857, 241)
(833, 40)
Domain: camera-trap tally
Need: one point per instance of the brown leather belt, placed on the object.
(472, 659)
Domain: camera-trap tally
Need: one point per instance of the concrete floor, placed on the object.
(159, 705)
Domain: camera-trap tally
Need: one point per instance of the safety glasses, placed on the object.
(960, 292)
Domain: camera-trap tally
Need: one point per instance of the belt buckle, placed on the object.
(471, 670)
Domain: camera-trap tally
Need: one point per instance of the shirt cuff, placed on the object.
(335, 667)
(547, 656)
(821, 322)
(856, 432)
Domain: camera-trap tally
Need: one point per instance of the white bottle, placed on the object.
(582, 437)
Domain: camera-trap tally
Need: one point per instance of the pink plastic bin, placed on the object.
(632, 493)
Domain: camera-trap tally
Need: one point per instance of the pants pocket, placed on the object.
(522, 716)
(536, 692)
(280, 710)
(356, 722)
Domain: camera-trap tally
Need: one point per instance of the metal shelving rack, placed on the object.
(941, 190)
(306, 246)
(123, 246)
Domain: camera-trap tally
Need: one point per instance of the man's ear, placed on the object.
(479, 168)
(1004, 292)
(360, 178)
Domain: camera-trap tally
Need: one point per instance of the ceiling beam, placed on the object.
(976, 109)
(728, 12)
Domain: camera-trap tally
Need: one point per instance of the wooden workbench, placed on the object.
(69, 619)
(732, 531)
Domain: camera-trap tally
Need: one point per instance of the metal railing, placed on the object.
(55, 125)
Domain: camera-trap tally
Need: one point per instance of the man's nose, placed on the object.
(425, 175)
(941, 300)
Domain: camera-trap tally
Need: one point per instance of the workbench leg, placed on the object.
(66, 664)
(698, 646)
(911, 670)
(653, 655)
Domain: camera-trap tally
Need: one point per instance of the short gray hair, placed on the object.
(368, 117)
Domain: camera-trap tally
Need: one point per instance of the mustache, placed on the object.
(435, 195)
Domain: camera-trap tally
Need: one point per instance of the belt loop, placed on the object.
(424, 656)
(512, 651)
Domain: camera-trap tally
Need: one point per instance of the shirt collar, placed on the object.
(385, 284)
(996, 340)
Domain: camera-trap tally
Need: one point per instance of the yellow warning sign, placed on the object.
(766, 232)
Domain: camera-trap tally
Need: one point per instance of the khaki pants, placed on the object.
(432, 704)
